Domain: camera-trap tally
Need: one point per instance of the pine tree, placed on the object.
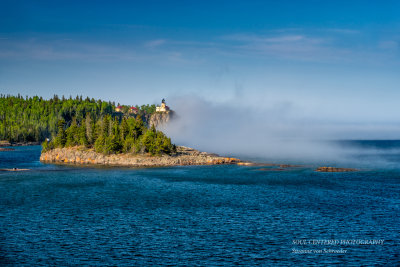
(124, 129)
(61, 138)
(72, 135)
(99, 144)
(82, 134)
(91, 123)
(138, 127)
(149, 141)
(105, 126)
(89, 129)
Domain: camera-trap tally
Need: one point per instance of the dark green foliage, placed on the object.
(72, 134)
(129, 136)
(76, 122)
(99, 144)
(112, 145)
(90, 129)
(149, 140)
(146, 109)
(156, 143)
(124, 128)
(61, 137)
(83, 139)
(35, 119)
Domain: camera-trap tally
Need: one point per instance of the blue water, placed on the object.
(205, 215)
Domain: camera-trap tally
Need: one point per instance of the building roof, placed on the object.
(119, 107)
(133, 108)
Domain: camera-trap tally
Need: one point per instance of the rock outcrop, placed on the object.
(184, 156)
(160, 118)
(247, 163)
(334, 169)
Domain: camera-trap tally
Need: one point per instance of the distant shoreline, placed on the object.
(4, 143)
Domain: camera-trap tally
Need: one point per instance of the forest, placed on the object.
(62, 122)
(111, 136)
(33, 119)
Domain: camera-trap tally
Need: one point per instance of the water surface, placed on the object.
(205, 215)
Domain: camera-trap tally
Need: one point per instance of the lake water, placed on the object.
(199, 215)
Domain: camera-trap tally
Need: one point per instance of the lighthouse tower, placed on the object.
(163, 107)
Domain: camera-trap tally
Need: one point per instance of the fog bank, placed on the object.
(278, 132)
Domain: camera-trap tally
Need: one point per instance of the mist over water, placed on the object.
(280, 133)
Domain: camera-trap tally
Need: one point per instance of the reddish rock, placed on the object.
(334, 169)
(184, 156)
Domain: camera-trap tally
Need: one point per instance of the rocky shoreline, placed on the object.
(184, 156)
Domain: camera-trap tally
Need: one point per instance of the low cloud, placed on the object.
(272, 134)
(342, 30)
(62, 49)
(155, 43)
(289, 46)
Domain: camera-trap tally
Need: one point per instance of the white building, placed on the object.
(163, 108)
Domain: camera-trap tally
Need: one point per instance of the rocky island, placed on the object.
(183, 156)
(121, 136)
(335, 169)
(90, 131)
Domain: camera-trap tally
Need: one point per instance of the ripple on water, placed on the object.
(210, 215)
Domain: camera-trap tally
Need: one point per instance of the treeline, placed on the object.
(110, 135)
(33, 119)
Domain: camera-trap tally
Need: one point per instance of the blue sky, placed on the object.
(335, 60)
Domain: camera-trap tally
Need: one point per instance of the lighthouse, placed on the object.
(163, 107)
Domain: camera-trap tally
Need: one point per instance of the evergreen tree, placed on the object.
(61, 138)
(105, 126)
(83, 141)
(124, 129)
(34, 119)
(99, 144)
(89, 128)
(138, 127)
(91, 124)
(72, 134)
(149, 139)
